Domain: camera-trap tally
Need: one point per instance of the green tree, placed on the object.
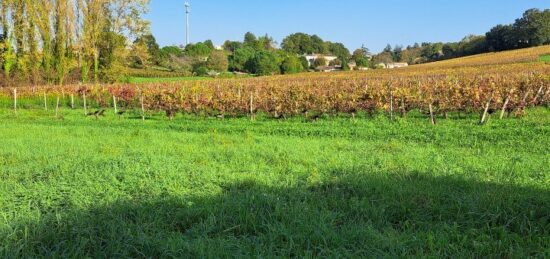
(360, 56)
(263, 63)
(304, 62)
(200, 70)
(4, 7)
(472, 45)
(209, 44)
(412, 55)
(432, 51)
(250, 40)
(239, 59)
(231, 46)
(217, 61)
(291, 65)
(388, 48)
(384, 57)
(198, 50)
(266, 42)
(501, 37)
(301, 43)
(152, 47)
(450, 50)
(533, 29)
(62, 36)
(338, 49)
(9, 58)
(139, 56)
(171, 51)
(113, 56)
(396, 53)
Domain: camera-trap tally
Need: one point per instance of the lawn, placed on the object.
(545, 58)
(197, 187)
(143, 80)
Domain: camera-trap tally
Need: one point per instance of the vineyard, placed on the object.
(506, 89)
(497, 58)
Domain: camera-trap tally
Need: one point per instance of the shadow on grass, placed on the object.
(352, 215)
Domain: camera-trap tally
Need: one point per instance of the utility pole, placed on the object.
(187, 6)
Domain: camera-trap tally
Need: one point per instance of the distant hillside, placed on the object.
(494, 58)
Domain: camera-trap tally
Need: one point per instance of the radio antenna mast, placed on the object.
(187, 11)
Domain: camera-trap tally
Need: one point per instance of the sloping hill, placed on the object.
(494, 58)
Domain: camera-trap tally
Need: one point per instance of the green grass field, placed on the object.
(144, 80)
(208, 188)
(545, 58)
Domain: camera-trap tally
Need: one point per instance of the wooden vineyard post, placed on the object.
(142, 107)
(252, 116)
(391, 103)
(403, 108)
(523, 103)
(15, 100)
(84, 100)
(239, 93)
(72, 101)
(57, 108)
(537, 95)
(486, 111)
(114, 104)
(504, 106)
(45, 102)
(432, 117)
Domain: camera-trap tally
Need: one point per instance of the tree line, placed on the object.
(53, 41)
(532, 29)
(253, 55)
(263, 56)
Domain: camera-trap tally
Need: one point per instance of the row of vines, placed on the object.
(506, 89)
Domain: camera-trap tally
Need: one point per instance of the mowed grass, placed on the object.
(545, 58)
(197, 187)
(144, 80)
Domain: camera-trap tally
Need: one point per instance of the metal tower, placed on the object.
(187, 6)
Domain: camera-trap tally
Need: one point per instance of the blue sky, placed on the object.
(352, 22)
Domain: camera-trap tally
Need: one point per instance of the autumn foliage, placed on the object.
(511, 88)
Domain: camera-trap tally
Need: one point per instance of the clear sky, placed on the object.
(352, 22)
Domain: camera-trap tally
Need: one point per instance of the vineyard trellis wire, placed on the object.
(505, 89)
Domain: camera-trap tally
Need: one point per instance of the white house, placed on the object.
(393, 65)
(312, 57)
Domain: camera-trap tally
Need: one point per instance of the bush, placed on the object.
(291, 65)
(201, 71)
(336, 62)
(152, 73)
(320, 62)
